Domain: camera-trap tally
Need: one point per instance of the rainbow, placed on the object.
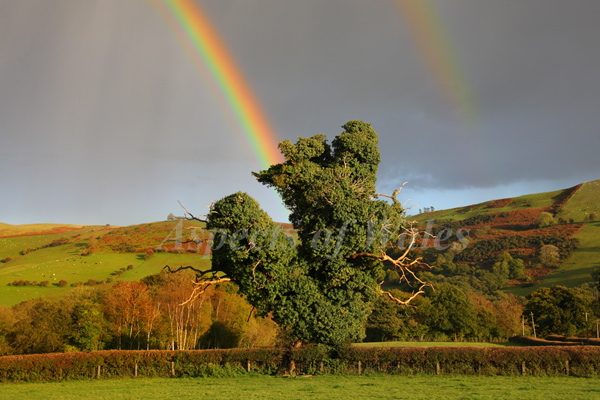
(435, 46)
(208, 50)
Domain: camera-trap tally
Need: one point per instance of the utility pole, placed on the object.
(587, 329)
(533, 323)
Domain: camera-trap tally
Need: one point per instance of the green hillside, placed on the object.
(113, 254)
(512, 225)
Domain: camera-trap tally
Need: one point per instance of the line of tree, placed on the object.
(135, 315)
(155, 314)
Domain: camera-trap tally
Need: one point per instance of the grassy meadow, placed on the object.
(412, 387)
(66, 262)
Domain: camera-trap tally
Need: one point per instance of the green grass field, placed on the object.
(318, 387)
(64, 262)
(583, 202)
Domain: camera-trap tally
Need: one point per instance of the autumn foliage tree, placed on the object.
(321, 289)
(128, 306)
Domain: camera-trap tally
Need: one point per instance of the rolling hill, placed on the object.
(100, 255)
(512, 225)
(90, 255)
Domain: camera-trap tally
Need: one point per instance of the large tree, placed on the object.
(559, 310)
(320, 289)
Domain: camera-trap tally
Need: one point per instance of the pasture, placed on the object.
(412, 387)
(34, 258)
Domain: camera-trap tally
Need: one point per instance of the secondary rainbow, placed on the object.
(440, 56)
(195, 28)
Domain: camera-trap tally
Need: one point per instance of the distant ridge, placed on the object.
(7, 230)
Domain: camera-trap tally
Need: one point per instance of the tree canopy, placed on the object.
(559, 310)
(320, 289)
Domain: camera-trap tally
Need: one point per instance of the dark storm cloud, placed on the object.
(104, 117)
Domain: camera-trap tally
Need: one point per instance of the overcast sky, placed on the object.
(105, 118)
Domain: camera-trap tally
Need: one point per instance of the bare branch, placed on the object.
(253, 275)
(191, 216)
(403, 264)
(392, 196)
(404, 302)
(202, 286)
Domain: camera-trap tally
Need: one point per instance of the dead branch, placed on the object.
(403, 302)
(192, 217)
(253, 273)
(403, 264)
(392, 196)
(202, 286)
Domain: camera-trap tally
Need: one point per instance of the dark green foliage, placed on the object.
(42, 327)
(559, 310)
(321, 289)
(449, 311)
(220, 336)
(88, 325)
(509, 267)
(390, 322)
(482, 250)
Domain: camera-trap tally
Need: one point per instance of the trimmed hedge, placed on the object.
(555, 360)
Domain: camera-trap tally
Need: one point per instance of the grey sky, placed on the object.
(105, 118)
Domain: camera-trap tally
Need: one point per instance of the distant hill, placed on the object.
(34, 229)
(512, 225)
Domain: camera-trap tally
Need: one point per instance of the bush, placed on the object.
(62, 283)
(545, 219)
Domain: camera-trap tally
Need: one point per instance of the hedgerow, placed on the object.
(543, 361)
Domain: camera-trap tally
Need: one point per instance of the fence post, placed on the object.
(523, 370)
(135, 370)
(98, 374)
(437, 368)
(567, 365)
(248, 366)
(172, 368)
(359, 368)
